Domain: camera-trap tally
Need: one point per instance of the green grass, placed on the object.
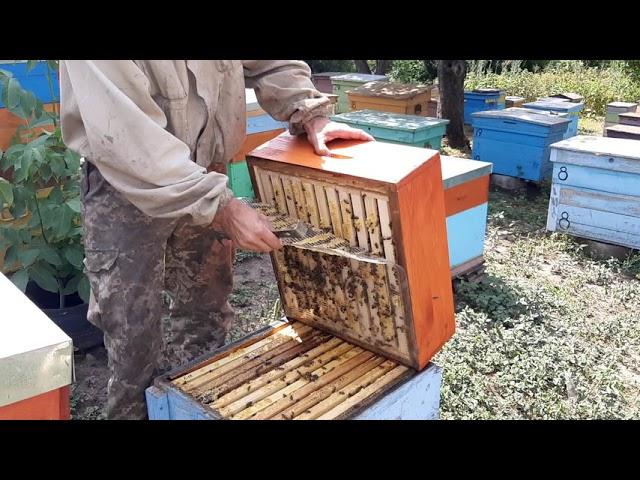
(549, 332)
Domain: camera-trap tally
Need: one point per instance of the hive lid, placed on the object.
(395, 121)
(559, 105)
(360, 77)
(524, 115)
(573, 97)
(378, 161)
(393, 90)
(36, 356)
(622, 104)
(632, 129)
(486, 90)
(600, 146)
(456, 171)
(328, 74)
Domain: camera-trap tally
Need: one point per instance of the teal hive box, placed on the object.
(344, 83)
(412, 130)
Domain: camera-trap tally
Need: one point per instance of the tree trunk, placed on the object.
(362, 66)
(451, 75)
(383, 66)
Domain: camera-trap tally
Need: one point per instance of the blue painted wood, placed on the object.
(418, 131)
(416, 399)
(466, 233)
(615, 154)
(263, 123)
(599, 179)
(35, 81)
(595, 191)
(517, 141)
(479, 101)
(571, 109)
(157, 404)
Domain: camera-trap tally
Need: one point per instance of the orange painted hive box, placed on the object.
(408, 99)
(36, 360)
(385, 199)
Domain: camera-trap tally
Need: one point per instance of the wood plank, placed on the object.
(600, 201)
(353, 401)
(427, 260)
(278, 192)
(323, 206)
(279, 393)
(348, 391)
(229, 362)
(266, 366)
(226, 357)
(304, 404)
(312, 386)
(466, 195)
(311, 204)
(279, 372)
(264, 395)
(265, 358)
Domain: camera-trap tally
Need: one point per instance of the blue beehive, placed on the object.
(571, 109)
(517, 140)
(594, 190)
(482, 99)
(35, 81)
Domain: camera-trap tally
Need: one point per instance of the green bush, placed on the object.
(318, 66)
(413, 71)
(598, 86)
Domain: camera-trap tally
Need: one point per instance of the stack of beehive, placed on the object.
(622, 120)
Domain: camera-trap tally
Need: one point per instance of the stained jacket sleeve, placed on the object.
(109, 116)
(284, 89)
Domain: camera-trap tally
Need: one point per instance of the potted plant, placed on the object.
(43, 240)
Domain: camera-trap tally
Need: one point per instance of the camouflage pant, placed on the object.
(131, 259)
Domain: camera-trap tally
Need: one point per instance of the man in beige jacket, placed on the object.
(155, 135)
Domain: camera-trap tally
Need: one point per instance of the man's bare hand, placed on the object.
(321, 130)
(246, 228)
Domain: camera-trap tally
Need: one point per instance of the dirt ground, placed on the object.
(254, 298)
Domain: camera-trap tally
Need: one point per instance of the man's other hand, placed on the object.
(246, 228)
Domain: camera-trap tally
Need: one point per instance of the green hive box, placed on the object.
(418, 131)
(344, 83)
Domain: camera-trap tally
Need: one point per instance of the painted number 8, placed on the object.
(563, 174)
(564, 221)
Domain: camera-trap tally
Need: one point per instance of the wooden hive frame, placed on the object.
(402, 317)
(290, 371)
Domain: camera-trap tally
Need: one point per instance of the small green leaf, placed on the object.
(6, 192)
(72, 285)
(44, 278)
(53, 65)
(13, 93)
(20, 279)
(72, 159)
(84, 289)
(31, 64)
(74, 204)
(57, 166)
(43, 119)
(27, 257)
(75, 256)
(48, 254)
